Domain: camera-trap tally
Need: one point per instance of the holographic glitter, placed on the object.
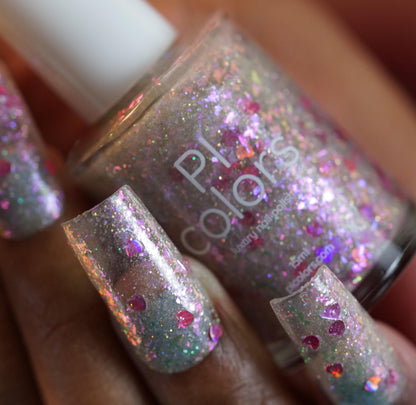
(331, 312)
(243, 171)
(372, 384)
(355, 367)
(162, 312)
(30, 198)
(215, 332)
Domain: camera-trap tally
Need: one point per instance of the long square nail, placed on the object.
(160, 308)
(340, 343)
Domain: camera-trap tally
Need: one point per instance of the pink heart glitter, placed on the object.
(138, 303)
(311, 341)
(185, 318)
(337, 329)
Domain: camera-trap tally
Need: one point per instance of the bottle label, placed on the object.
(283, 158)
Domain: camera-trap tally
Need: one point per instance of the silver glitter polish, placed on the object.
(161, 311)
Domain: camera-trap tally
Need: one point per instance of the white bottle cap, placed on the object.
(91, 51)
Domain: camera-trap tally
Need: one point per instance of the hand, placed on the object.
(73, 353)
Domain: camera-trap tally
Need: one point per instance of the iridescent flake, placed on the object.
(331, 312)
(248, 218)
(372, 384)
(230, 137)
(244, 152)
(359, 254)
(132, 248)
(314, 229)
(215, 332)
(335, 369)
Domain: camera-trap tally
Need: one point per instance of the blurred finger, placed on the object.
(30, 198)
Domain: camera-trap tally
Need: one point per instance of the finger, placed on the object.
(406, 352)
(164, 316)
(30, 198)
(394, 307)
(303, 390)
(31, 201)
(17, 385)
(75, 355)
(58, 336)
(343, 348)
(60, 319)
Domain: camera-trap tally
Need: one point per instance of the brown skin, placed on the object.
(388, 30)
(75, 358)
(17, 384)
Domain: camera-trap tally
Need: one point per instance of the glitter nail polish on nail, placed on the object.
(161, 311)
(240, 167)
(339, 342)
(30, 198)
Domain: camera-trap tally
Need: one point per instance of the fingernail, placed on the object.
(30, 198)
(160, 308)
(340, 343)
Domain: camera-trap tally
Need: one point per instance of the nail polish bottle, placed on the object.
(239, 166)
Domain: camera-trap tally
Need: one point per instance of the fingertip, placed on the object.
(405, 351)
